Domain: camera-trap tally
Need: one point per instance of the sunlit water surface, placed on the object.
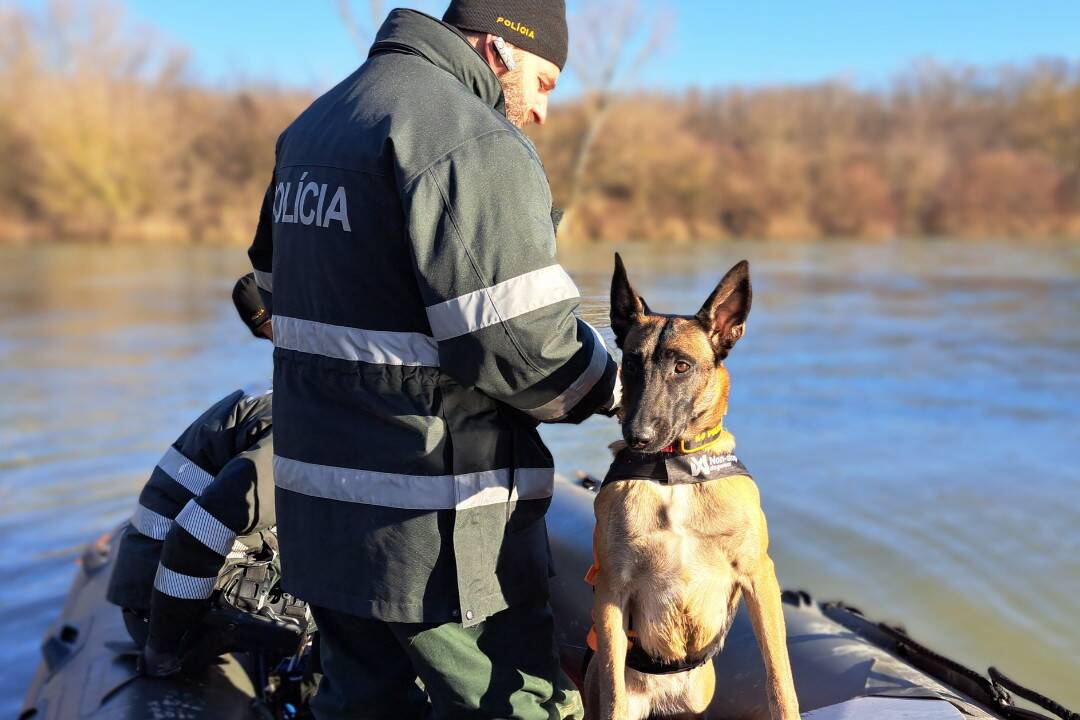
(909, 410)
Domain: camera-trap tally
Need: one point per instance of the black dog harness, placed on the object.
(670, 469)
(688, 464)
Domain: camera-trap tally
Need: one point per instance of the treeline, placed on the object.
(104, 137)
(942, 151)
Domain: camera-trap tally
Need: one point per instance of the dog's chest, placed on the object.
(678, 530)
(680, 561)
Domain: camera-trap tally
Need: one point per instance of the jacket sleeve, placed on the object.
(237, 502)
(261, 251)
(500, 306)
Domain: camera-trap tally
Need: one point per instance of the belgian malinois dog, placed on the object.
(680, 534)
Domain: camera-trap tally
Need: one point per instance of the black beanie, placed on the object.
(249, 304)
(538, 26)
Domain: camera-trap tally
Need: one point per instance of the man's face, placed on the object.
(527, 88)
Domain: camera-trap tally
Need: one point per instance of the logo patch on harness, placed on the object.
(706, 464)
(673, 469)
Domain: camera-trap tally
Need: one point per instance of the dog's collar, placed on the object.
(701, 441)
(694, 462)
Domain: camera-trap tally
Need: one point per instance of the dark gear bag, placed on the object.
(251, 614)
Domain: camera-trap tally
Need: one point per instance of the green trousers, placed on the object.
(506, 667)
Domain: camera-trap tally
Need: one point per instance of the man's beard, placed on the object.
(514, 94)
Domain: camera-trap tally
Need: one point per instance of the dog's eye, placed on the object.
(681, 366)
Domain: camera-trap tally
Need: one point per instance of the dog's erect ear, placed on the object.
(627, 307)
(724, 314)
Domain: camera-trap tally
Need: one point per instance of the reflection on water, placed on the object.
(910, 412)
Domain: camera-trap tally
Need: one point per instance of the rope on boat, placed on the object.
(1006, 683)
(992, 691)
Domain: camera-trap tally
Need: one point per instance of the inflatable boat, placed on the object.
(846, 666)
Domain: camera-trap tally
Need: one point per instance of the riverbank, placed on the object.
(165, 235)
(111, 140)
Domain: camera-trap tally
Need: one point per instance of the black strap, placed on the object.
(638, 659)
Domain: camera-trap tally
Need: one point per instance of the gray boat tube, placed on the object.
(88, 665)
(845, 666)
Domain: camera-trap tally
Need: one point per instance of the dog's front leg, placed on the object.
(762, 595)
(611, 653)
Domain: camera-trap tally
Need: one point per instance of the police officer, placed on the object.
(423, 328)
(209, 498)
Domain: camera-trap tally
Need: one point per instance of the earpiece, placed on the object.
(505, 53)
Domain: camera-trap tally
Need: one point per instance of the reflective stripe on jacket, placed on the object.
(423, 327)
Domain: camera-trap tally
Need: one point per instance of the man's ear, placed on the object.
(486, 48)
(627, 307)
(724, 314)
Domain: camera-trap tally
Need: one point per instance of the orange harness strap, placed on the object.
(590, 577)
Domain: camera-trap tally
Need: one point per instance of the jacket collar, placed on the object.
(442, 45)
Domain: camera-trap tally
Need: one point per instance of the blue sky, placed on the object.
(713, 43)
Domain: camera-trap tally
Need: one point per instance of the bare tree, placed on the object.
(92, 107)
(605, 63)
(361, 32)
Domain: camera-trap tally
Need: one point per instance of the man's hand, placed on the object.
(615, 405)
(157, 664)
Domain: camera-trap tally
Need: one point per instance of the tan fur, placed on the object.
(677, 559)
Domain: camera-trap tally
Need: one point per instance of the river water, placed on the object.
(911, 412)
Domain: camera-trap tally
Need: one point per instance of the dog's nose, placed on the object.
(641, 438)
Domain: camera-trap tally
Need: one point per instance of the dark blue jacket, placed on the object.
(423, 327)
